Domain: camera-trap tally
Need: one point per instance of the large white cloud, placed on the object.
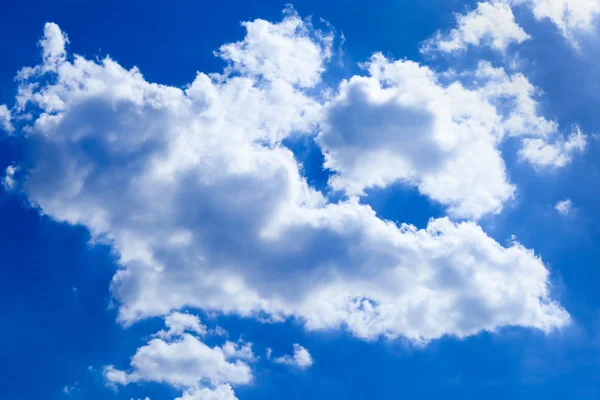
(401, 123)
(490, 23)
(571, 17)
(207, 209)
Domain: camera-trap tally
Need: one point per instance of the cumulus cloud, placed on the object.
(301, 358)
(206, 208)
(221, 392)
(541, 153)
(240, 350)
(401, 123)
(53, 44)
(490, 23)
(564, 207)
(184, 363)
(571, 17)
(291, 51)
(5, 117)
(9, 181)
(182, 360)
(178, 323)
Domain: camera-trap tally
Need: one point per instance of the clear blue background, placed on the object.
(54, 297)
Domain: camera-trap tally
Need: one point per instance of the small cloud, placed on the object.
(178, 323)
(269, 353)
(301, 358)
(241, 350)
(542, 154)
(219, 331)
(490, 24)
(5, 117)
(564, 207)
(9, 181)
(69, 389)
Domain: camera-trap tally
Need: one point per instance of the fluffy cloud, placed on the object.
(9, 181)
(291, 51)
(540, 153)
(5, 117)
(184, 363)
(221, 392)
(240, 350)
(177, 323)
(490, 23)
(208, 209)
(401, 123)
(570, 16)
(301, 358)
(564, 207)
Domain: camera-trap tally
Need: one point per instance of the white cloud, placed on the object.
(540, 153)
(5, 117)
(219, 331)
(515, 99)
(571, 17)
(221, 392)
(69, 389)
(53, 44)
(564, 207)
(301, 358)
(401, 123)
(54, 54)
(490, 23)
(241, 350)
(185, 363)
(207, 209)
(290, 51)
(178, 323)
(9, 181)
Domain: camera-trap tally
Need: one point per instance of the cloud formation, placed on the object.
(301, 358)
(5, 119)
(564, 207)
(490, 23)
(559, 153)
(403, 123)
(185, 363)
(206, 208)
(571, 17)
(177, 323)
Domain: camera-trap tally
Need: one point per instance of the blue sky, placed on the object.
(260, 189)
